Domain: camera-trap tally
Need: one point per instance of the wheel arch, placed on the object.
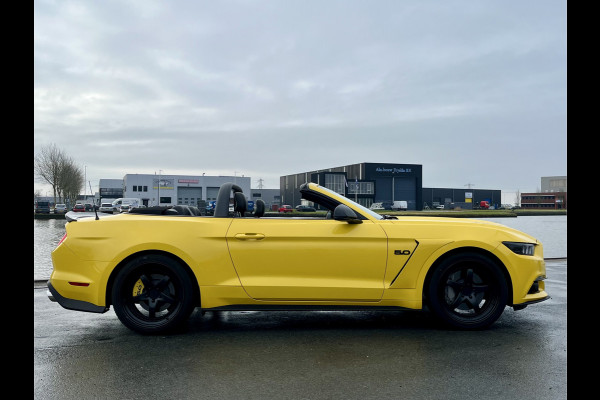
(464, 250)
(172, 256)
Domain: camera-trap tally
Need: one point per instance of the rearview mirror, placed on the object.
(344, 213)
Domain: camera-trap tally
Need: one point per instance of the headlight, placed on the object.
(524, 249)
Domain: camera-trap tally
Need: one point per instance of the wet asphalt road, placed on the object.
(305, 355)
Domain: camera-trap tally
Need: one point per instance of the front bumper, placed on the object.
(70, 304)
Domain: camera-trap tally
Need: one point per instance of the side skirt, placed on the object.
(292, 307)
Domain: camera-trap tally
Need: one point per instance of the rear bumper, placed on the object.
(71, 304)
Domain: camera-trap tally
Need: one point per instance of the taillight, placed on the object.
(62, 240)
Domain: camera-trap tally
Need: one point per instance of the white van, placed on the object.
(130, 201)
(400, 205)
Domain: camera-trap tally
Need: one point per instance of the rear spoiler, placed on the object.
(73, 216)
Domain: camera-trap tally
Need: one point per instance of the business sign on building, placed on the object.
(468, 197)
(188, 181)
(164, 183)
(393, 170)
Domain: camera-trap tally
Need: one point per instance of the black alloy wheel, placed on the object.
(468, 291)
(152, 294)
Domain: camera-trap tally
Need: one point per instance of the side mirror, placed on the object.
(344, 213)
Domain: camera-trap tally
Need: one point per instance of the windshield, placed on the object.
(362, 209)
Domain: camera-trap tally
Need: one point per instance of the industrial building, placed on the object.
(365, 183)
(179, 189)
(166, 190)
(368, 183)
(544, 201)
(553, 195)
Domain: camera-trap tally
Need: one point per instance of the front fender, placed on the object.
(414, 273)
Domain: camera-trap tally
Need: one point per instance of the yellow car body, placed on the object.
(235, 262)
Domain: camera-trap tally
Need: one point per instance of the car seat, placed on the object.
(183, 210)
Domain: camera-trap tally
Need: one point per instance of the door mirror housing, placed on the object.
(344, 213)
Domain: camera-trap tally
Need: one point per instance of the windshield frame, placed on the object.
(338, 196)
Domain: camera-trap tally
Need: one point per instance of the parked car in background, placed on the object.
(106, 208)
(285, 208)
(440, 207)
(79, 208)
(131, 201)
(210, 207)
(123, 208)
(400, 205)
(304, 208)
(376, 206)
(60, 208)
(42, 207)
(383, 205)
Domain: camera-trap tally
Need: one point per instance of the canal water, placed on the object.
(550, 230)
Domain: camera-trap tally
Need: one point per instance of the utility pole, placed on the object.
(260, 183)
(469, 185)
(159, 172)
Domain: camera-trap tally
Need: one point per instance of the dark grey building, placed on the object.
(365, 183)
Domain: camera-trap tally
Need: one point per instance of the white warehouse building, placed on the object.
(166, 190)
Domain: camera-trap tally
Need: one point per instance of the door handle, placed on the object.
(249, 236)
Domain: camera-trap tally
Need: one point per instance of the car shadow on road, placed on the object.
(247, 321)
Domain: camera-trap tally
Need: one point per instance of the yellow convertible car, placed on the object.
(155, 265)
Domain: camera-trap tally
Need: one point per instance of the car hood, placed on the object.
(467, 224)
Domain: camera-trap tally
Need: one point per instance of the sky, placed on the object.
(474, 91)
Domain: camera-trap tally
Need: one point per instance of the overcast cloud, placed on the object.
(475, 91)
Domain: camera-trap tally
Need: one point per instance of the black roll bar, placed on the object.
(222, 204)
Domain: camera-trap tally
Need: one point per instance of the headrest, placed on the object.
(259, 208)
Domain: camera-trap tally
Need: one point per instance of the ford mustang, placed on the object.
(155, 265)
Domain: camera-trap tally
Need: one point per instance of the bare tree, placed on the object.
(53, 166)
(71, 181)
(46, 165)
(36, 194)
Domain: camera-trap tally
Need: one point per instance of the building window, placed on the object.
(336, 182)
(363, 188)
(145, 188)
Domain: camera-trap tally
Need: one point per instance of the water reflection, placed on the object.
(551, 230)
(46, 235)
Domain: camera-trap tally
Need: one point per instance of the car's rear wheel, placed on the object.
(467, 291)
(153, 294)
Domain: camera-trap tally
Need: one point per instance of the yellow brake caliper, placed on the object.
(138, 288)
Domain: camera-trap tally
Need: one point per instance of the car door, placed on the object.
(308, 259)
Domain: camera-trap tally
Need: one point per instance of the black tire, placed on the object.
(153, 294)
(467, 291)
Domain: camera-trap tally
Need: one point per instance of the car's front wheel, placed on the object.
(467, 291)
(153, 294)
